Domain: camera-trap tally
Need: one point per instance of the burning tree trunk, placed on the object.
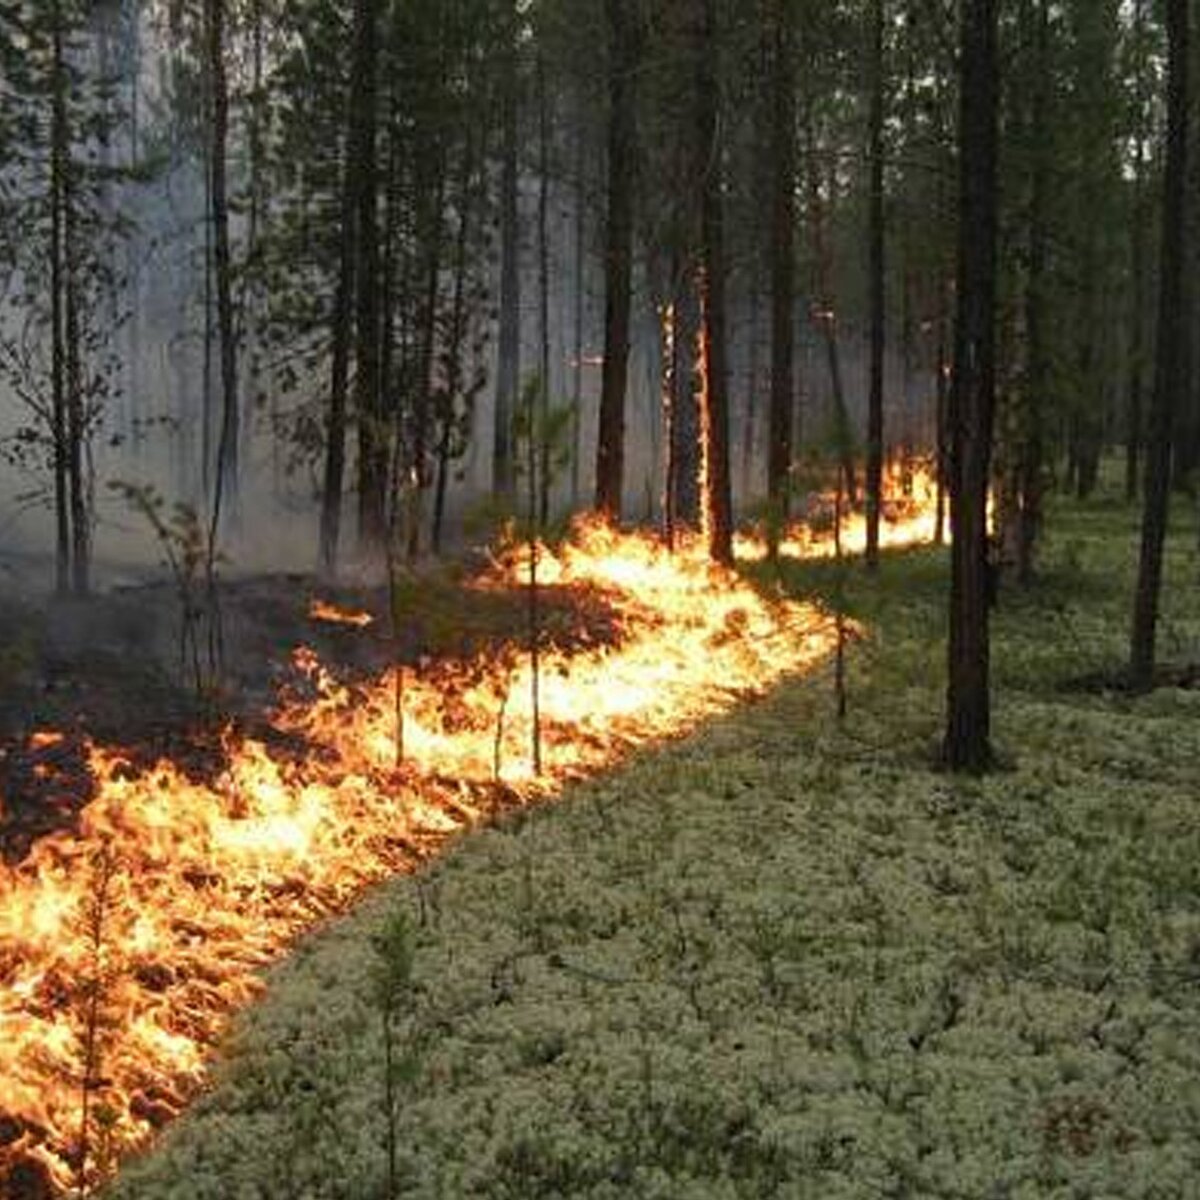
(622, 148)
(714, 400)
(972, 395)
(1169, 375)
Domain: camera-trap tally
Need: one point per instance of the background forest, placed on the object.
(287, 259)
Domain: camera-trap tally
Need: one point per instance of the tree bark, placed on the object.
(1037, 381)
(783, 273)
(972, 395)
(368, 394)
(59, 153)
(343, 327)
(1169, 375)
(508, 366)
(622, 134)
(226, 477)
(1137, 317)
(877, 334)
(717, 496)
(542, 428)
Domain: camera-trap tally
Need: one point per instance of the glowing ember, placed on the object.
(43, 739)
(322, 610)
(126, 943)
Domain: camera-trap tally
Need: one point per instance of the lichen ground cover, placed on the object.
(783, 958)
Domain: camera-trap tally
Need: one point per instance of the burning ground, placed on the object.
(132, 931)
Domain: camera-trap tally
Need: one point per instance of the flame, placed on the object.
(43, 739)
(322, 610)
(908, 518)
(126, 943)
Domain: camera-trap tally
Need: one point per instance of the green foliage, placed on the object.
(395, 952)
(192, 557)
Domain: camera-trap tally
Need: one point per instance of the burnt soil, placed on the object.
(108, 669)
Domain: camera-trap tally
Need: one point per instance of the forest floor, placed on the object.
(782, 956)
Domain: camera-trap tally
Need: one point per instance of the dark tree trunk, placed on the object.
(1139, 254)
(368, 394)
(226, 478)
(972, 395)
(508, 364)
(874, 482)
(76, 404)
(452, 384)
(618, 266)
(542, 426)
(1030, 455)
(1169, 375)
(684, 451)
(59, 165)
(717, 496)
(577, 283)
(343, 327)
(826, 315)
(941, 416)
(783, 273)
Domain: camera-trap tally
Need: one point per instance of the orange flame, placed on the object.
(322, 610)
(126, 943)
(908, 518)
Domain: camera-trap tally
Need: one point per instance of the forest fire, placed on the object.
(126, 942)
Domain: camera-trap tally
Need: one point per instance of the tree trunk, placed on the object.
(368, 395)
(827, 315)
(508, 365)
(226, 478)
(59, 153)
(1030, 455)
(972, 395)
(343, 321)
(610, 445)
(452, 384)
(76, 403)
(783, 274)
(1139, 254)
(877, 293)
(1169, 380)
(684, 451)
(577, 367)
(717, 497)
(542, 428)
